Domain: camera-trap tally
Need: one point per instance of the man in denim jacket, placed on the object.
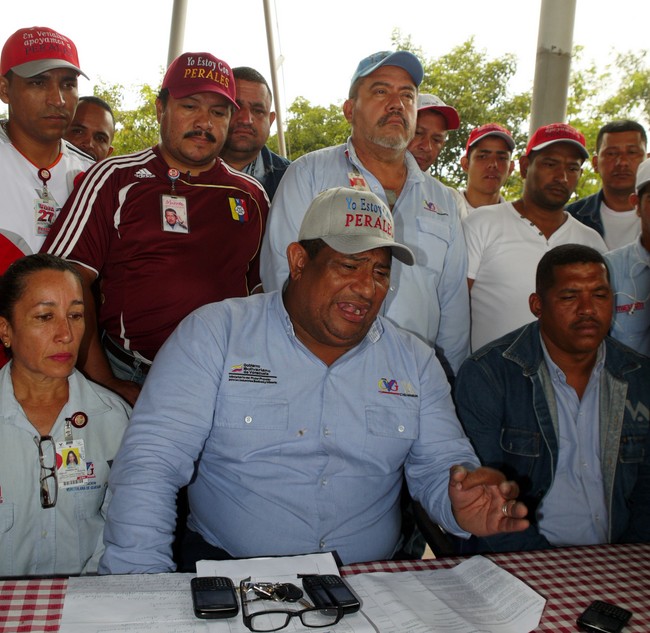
(562, 408)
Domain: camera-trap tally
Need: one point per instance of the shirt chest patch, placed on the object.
(394, 387)
(251, 372)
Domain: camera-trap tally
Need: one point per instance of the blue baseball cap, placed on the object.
(403, 59)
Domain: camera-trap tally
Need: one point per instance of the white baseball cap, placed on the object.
(352, 221)
(642, 175)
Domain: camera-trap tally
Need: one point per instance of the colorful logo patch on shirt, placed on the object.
(251, 372)
(434, 208)
(238, 209)
(394, 387)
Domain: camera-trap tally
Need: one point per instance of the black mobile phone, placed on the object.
(330, 590)
(214, 597)
(603, 617)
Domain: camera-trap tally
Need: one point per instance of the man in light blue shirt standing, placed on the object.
(629, 267)
(562, 409)
(295, 417)
(430, 298)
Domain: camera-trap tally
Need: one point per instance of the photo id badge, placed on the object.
(71, 462)
(173, 214)
(45, 212)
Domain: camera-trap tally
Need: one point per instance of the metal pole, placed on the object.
(177, 30)
(553, 64)
(274, 78)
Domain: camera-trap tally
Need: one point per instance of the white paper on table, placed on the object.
(476, 596)
(160, 603)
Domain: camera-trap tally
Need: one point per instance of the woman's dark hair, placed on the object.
(14, 281)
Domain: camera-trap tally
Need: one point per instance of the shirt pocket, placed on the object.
(433, 239)
(632, 449)
(520, 442)
(249, 423)
(390, 433)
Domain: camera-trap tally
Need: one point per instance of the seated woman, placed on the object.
(52, 506)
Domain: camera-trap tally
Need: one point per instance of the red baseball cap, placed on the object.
(191, 73)
(448, 113)
(35, 50)
(556, 133)
(489, 129)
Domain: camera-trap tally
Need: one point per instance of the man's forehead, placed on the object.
(387, 71)
(562, 149)
(431, 118)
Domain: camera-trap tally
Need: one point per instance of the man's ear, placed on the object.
(594, 162)
(297, 257)
(523, 165)
(4, 89)
(5, 332)
(535, 305)
(464, 163)
(348, 107)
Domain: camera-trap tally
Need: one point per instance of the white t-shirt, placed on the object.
(621, 227)
(20, 188)
(503, 250)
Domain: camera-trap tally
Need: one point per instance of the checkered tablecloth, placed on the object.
(31, 606)
(569, 578)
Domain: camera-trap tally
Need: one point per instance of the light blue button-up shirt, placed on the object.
(629, 268)
(429, 299)
(574, 511)
(293, 456)
(65, 539)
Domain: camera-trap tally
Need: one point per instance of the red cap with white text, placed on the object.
(191, 73)
(556, 133)
(489, 129)
(35, 50)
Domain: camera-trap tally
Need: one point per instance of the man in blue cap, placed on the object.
(429, 299)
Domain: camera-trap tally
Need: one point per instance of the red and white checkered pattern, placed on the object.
(31, 606)
(569, 578)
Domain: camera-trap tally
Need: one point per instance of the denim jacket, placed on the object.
(587, 211)
(506, 403)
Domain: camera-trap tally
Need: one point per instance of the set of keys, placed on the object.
(278, 591)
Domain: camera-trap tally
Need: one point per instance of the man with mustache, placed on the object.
(562, 409)
(506, 241)
(621, 146)
(296, 415)
(115, 229)
(249, 130)
(428, 299)
(39, 69)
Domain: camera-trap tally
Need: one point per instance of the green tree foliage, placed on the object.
(620, 90)
(312, 127)
(136, 128)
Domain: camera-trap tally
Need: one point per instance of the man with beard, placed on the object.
(506, 241)
(621, 146)
(428, 299)
(38, 81)
(562, 409)
(249, 130)
(114, 227)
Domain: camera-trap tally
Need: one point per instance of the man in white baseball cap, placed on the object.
(435, 119)
(298, 420)
(629, 269)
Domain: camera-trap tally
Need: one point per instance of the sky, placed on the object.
(127, 42)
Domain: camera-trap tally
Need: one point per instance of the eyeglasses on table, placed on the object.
(260, 618)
